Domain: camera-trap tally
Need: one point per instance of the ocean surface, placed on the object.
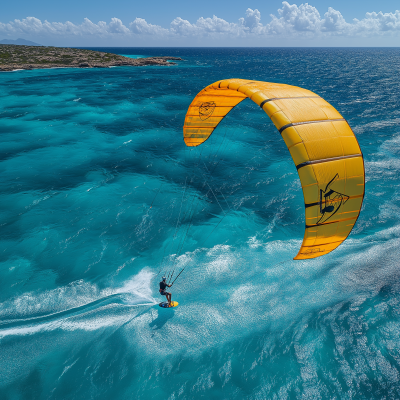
(99, 197)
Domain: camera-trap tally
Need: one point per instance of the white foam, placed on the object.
(135, 292)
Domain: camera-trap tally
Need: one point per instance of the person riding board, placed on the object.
(163, 285)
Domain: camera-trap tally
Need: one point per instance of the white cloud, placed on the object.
(379, 22)
(116, 26)
(183, 27)
(252, 20)
(89, 28)
(33, 26)
(334, 22)
(302, 18)
(140, 27)
(202, 27)
(214, 24)
(292, 21)
(28, 25)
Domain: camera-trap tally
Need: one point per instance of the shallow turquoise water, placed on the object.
(132, 55)
(93, 173)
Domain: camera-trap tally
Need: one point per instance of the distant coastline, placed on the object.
(19, 41)
(18, 57)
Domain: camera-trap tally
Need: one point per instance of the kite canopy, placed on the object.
(323, 147)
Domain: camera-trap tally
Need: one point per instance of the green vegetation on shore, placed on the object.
(31, 57)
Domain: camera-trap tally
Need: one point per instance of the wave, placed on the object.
(75, 306)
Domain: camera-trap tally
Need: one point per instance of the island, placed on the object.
(14, 57)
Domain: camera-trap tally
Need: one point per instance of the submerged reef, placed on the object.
(14, 57)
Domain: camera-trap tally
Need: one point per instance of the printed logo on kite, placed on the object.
(330, 201)
(206, 109)
(312, 251)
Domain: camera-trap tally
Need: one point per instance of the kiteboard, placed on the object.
(165, 304)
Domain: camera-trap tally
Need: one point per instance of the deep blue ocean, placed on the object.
(99, 197)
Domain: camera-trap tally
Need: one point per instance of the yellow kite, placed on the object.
(324, 149)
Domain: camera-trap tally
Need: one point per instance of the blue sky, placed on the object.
(205, 22)
(162, 12)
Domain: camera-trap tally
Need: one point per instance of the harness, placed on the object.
(162, 291)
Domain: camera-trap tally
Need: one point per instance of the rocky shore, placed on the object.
(14, 57)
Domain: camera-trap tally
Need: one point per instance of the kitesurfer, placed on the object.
(163, 285)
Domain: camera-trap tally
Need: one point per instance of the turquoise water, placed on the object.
(132, 55)
(98, 193)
